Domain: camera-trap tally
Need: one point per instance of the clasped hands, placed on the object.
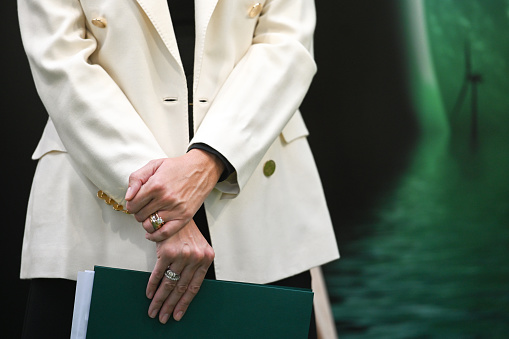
(174, 188)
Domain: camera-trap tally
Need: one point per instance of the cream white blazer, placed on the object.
(111, 79)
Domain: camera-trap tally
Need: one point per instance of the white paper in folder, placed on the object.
(82, 304)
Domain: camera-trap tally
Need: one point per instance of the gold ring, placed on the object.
(156, 221)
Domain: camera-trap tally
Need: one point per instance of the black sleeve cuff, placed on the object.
(228, 168)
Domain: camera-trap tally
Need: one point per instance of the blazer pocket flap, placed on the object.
(295, 128)
(50, 141)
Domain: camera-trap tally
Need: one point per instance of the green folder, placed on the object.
(222, 309)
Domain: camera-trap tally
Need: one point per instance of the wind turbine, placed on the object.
(471, 79)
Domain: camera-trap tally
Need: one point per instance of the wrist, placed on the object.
(209, 161)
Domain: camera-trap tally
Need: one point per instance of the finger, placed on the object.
(132, 190)
(155, 277)
(175, 295)
(166, 231)
(191, 291)
(159, 286)
(163, 291)
(139, 177)
(143, 204)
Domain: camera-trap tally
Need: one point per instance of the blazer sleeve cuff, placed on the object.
(228, 167)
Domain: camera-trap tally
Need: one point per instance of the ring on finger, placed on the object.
(171, 275)
(156, 221)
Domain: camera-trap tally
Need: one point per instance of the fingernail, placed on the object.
(179, 316)
(127, 194)
(150, 294)
(153, 314)
(165, 318)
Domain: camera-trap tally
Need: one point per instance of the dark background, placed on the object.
(357, 110)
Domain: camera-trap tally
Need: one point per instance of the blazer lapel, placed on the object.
(204, 10)
(158, 13)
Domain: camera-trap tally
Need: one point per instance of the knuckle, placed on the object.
(157, 186)
(157, 277)
(168, 284)
(182, 288)
(187, 215)
(133, 177)
(209, 254)
(199, 256)
(165, 232)
(170, 196)
(186, 252)
(193, 289)
(169, 253)
(203, 269)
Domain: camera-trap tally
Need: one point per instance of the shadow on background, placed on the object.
(420, 220)
(358, 109)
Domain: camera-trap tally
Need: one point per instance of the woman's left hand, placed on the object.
(188, 254)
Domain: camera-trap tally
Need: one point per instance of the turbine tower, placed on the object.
(471, 80)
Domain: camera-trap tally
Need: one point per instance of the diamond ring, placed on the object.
(156, 221)
(171, 275)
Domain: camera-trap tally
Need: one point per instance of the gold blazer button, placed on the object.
(99, 22)
(269, 168)
(255, 10)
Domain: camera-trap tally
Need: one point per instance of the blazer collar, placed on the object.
(158, 13)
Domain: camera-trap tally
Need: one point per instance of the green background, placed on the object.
(428, 257)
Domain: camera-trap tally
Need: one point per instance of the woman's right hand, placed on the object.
(188, 254)
(174, 188)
